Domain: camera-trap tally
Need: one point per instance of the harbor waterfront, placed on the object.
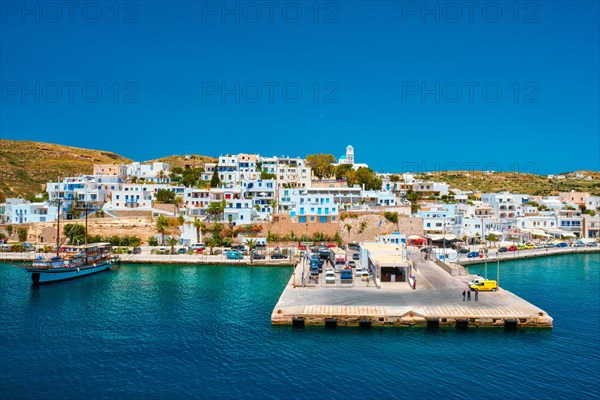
(156, 331)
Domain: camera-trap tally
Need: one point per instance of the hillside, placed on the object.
(25, 166)
(538, 185)
(191, 161)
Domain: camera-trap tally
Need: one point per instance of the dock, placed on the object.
(494, 256)
(437, 301)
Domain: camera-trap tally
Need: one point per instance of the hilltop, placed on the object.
(26, 166)
(188, 161)
(537, 185)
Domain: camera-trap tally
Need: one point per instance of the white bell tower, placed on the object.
(350, 154)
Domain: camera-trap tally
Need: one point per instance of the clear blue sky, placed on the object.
(411, 85)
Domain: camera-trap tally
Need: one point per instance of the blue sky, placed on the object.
(411, 85)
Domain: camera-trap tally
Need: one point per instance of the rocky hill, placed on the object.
(26, 166)
(539, 185)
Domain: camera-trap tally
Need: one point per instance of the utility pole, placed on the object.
(498, 271)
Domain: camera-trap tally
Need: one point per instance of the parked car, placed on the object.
(27, 246)
(258, 256)
(346, 276)
(562, 244)
(277, 256)
(239, 247)
(358, 272)
(355, 256)
(592, 244)
(137, 250)
(197, 246)
(579, 244)
(462, 250)
(351, 264)
(181, 250)
(513, 248)
(234, 255)
(502, 249)
(329, 276)
(549, 245)
(473, 254)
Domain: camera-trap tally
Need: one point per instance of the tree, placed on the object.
(348, 228)
(22, 233)
(216, 208)
(267, 175)
(368, 178)
(152, 241)
(177, 202)
(342, 170)
(215, 181)
(172, 241)
(251, 243)
(165, 196)
(200, 226)
(492, 238)
(75, 233)
(321, 164)
(391, 216)
(394, 178)
(161, 226)
(9, 230)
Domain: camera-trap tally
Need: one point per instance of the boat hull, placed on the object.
(48, 275)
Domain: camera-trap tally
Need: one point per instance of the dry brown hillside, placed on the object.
(26, 166)
(191, 161)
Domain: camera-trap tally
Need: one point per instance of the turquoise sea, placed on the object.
(157, 332)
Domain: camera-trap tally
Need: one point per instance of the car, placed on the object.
(502, 249)
(351, 264)
(473, 254)
(329, 276)
(549, 245)
(181, 250)
(234, 255)
(579, 244)
(462, 250)
(277, 256)
(562, 244)
(529, 246)
(356, 256)
(239, 247)
(485, 285)
(258, 256)
(365, 275)
(27, 246)
(477, 281)
(358, 272)
(197, 246)
(137, 250)
(521, 247)
(592, 244)
(425, 250)
(513, 248)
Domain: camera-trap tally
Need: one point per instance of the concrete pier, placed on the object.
(436, 301)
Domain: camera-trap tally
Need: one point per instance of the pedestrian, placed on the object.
(414, 284)
(476, 294)
(469, 295)
(464, 294)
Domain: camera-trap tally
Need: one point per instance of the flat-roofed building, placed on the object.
(385, 262)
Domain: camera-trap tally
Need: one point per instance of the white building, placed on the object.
(304, 207)
(505, 204)
(438, 218)
(19, 211)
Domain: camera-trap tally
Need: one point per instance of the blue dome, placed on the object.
(342, 158)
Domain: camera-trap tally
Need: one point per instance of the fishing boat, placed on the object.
(71, 261)
(76, 261)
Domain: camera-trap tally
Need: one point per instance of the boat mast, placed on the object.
(86, 229)
(58, 231)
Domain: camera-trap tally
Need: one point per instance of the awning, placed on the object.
(539, 232)
(414, 237)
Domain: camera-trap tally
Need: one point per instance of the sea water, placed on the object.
(175, 331)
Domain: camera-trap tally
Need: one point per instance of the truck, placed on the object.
(315, 266)
(346, 275)
(316, 259)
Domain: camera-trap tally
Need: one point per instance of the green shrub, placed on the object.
(391, 216)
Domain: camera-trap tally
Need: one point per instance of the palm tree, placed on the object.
(161, 175)
(172, 241)
(161, 225)
(348, 228)
(199, 225)
(177, 202)
(251, 243)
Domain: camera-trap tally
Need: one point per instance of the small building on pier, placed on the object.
(385, 261)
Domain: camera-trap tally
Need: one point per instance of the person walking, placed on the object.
(476, 294)
(464, 294)
(469, 295)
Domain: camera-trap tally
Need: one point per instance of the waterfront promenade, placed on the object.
(493, 254)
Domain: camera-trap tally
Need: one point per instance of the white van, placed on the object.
(197, 246)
